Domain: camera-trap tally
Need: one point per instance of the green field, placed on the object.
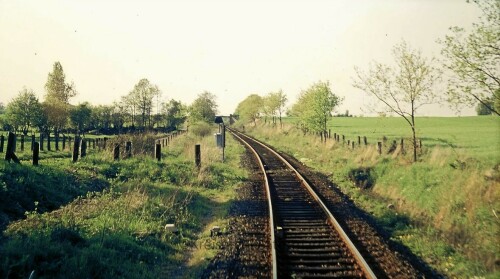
(444, 207)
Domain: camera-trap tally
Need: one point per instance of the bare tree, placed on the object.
(404, 88)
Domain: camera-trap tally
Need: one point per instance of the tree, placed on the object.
(204, 108)
(57, 96)
(474, 60)
(403, 88)
(80, 117)
(315, 105)
(141, 97)
(250, 108)
(175, 114)
(23, 110)
(276, 102)
(484, 108)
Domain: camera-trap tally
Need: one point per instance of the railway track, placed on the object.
(306, 240)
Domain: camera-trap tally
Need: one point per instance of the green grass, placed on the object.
(119, 231)
(446, 205)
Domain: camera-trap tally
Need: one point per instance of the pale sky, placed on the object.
(229, 48)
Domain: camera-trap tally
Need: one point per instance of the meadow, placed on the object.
(100, 218)
(444, 207)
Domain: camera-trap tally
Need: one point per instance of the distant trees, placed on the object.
(315, 106)
(403, 88)
(23, 111)
(250, 108)
(141, 98)
(274, 104)
(484, 108)
(175, 114)
(204, 108)
(80, 117)
(474, 60)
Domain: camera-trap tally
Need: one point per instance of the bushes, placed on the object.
(201, 129)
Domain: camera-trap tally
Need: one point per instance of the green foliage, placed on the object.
(24, 111)
(250, 108)
(57, 88)
(142, 98)
(80, 116)
(201, 129)
(315, 105)
(484, 108)
(175, 113)
(204, 108)
(473, 57)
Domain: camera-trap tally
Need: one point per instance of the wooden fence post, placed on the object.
(83, 150)
(76, 146)
(22, 142)
(9, 152)
(57, 141)
(64, 143)
(359, 140)
(352, 144)
(41, 141)
(329, 133)
(364, 140)
(93, 143)
(128, 149)
(33, 142)
(158, 152)
(379, 147)
(36, 153)
(402, 146)
(116, 152)
(2, 140)
(104, 143)
(48, 142)
(197, 156)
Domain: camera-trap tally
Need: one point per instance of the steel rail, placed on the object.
(357, 255)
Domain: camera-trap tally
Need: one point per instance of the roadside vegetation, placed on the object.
(100, 218)
(444, 207)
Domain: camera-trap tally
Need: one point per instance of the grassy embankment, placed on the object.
(100, 219)
(444, 208)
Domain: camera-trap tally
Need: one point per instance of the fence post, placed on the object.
(343, 139)
(9, 153)
(48, 142)
(22, 142)
(348, 143)
(64, 142)
(364, 140)
(116, 152)
(57, 141)
(197, 156)
(33, 142)
(83, 150)
(379, 147)
(359, 140)
(128, 149)
(76, 146)
(2, 140)
(402, 147)
(104, 143)
(158, 152)
(93, 143)
(329, 133)
(36, 153)
(41, 141)
(352, 144)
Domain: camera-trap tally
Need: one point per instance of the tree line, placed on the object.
(139, 110)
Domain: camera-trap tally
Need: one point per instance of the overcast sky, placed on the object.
(229, 48)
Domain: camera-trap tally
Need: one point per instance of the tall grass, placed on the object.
(451, 195)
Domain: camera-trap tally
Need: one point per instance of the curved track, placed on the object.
(307, 241)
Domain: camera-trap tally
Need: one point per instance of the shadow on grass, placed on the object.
(25, 188)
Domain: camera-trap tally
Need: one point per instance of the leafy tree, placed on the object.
(250, 108)
(80, 117)
(175, 114)
(204, 108)
(101, 117)
(403, 88)
(2, 108)
(141, 97)
(474, 58)
(315, 105)
(57, 96)
(118, 115)
(23, 110)
(276, 102)
(484, 108)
